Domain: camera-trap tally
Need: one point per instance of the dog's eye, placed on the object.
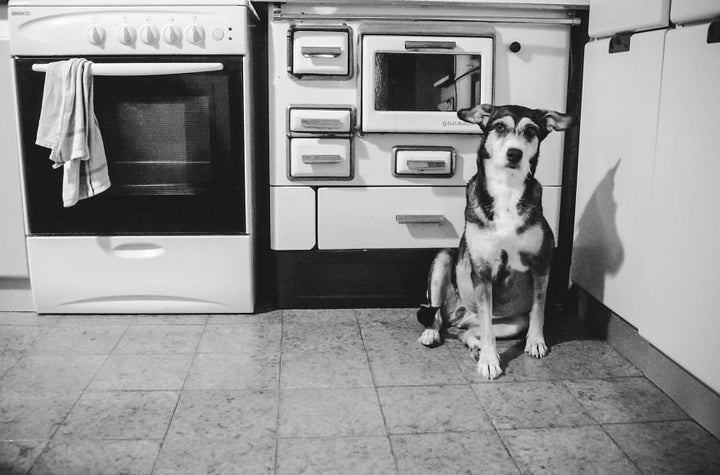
(499, 128)
(530, 133)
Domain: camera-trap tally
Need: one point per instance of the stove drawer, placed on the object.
(320, 52)
(141, 274)
(320, 121)
(390, 217)
(320, 158)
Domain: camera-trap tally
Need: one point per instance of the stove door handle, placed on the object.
(144, 69)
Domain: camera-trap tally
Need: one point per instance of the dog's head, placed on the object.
(512, 134)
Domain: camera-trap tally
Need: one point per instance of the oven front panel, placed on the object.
(174, 145)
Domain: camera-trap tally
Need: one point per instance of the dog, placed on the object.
(494, 284)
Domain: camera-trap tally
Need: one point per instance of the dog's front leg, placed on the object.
(535, 345)
(489, 360)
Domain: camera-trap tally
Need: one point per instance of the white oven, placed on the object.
(368, 160)
(174, 232)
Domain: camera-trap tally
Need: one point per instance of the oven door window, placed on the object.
(418, 83)
(426, 82)
(175, 151)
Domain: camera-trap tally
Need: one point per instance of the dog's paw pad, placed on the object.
(430, 337)
(489, 364)
(536, 347)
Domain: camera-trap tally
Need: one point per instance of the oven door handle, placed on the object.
(144, 69)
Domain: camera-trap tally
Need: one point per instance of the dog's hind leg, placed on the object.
(439, 288)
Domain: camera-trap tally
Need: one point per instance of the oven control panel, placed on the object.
(47, 30)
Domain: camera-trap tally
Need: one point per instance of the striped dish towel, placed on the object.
(69, 128)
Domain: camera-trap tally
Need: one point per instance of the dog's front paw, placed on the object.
(536, 347)
(429, 337)
(489, 363)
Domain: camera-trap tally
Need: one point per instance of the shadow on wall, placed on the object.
(598, 250)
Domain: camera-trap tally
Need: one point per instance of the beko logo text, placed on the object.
(21, 13)
(451, 123)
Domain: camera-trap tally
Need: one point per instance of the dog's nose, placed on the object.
(514, 155)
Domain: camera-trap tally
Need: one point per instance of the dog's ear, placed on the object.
(479, 114)
(557, 121)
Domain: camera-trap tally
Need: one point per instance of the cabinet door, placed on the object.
(608, 17)
(683, 254)
(621, 93)
(13, 260)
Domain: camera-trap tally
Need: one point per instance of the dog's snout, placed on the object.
(514, 155)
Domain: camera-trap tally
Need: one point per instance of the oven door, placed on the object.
(418, 83)
(173, 134)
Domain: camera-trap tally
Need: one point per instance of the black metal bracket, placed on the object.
(620, 43)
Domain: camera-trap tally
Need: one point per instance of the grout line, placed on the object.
(279, 388)
(180, 394)
(377, 394)
(620, 448)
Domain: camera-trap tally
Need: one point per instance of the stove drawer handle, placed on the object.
(144, 69)
(138, 251)
(320, 51)
(316, 158)
(416, 45)
(419, 218)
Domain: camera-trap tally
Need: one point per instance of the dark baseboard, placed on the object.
(698, 400)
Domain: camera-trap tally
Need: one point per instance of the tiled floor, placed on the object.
(343, 391)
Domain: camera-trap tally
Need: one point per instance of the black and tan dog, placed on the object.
(494, 283)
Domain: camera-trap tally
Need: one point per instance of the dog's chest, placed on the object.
(497, 241)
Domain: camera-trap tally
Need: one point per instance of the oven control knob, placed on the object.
(126, 35)
(95, 34)
(149, 34)
(171, 34)
(195, 34)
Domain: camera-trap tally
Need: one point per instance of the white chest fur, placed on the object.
(486, 243)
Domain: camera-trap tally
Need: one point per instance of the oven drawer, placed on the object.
(320, 158)
(141, 274)
(390, 217)
(320, 52)
(316, 121)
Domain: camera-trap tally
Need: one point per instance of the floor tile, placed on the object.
(223, 456)
(624, 400)
(329, 413)
(342, 368)
(33, 415)
(320, 337)
(19, 339)
(51, 373)
(206, 415)
(419, 409)
(385, 338)
(566, 450)
(116, 415)
(234, 371)
(515, 363)
(402, 318)
(78, 339)
(530, 404)
(357, 455)
(142, 372)
(414, 365)
(273, 316)
(321, 316)
(26, 318)
(160, 339)
(98, 457)
(170, 319)
(452, 453)
(586, 359)
(244, 338)
(17, 456)
(668, 447)
(7, 362)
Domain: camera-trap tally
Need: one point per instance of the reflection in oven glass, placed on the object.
(426, 82)
(159, 146)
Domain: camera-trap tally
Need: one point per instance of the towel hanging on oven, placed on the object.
(69, 128)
